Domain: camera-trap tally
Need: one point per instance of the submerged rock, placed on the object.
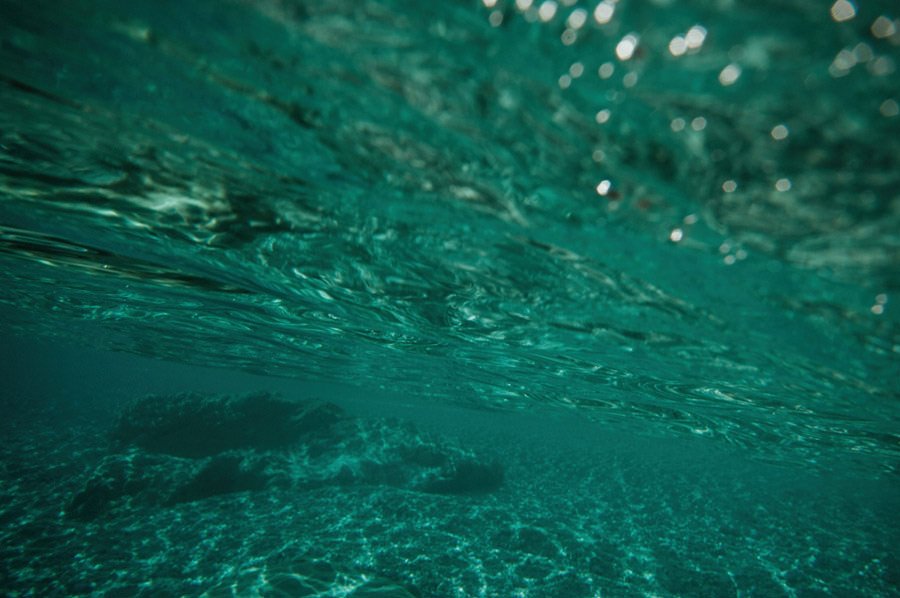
(191, 447)
(223, 474)
(197, 425)
(119, 478)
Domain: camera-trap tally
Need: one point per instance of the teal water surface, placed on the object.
(626, 270)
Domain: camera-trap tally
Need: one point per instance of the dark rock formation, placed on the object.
(191, 447)
(223, 474)
(195, 425)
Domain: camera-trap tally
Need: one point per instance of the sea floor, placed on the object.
(583, 511)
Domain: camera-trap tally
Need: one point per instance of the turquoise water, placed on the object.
(573, 299)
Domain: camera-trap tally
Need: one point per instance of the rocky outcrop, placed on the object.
(196, 425)
(189, 447)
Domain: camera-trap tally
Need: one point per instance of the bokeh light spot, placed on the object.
(843, 10)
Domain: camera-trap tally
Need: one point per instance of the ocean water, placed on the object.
(463, 298)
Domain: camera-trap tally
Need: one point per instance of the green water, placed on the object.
(602, 294)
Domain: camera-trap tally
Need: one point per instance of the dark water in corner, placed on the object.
(642, 256)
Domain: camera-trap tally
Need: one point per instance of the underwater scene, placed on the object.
(490, 298)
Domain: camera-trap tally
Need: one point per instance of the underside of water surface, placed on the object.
(462, 298)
